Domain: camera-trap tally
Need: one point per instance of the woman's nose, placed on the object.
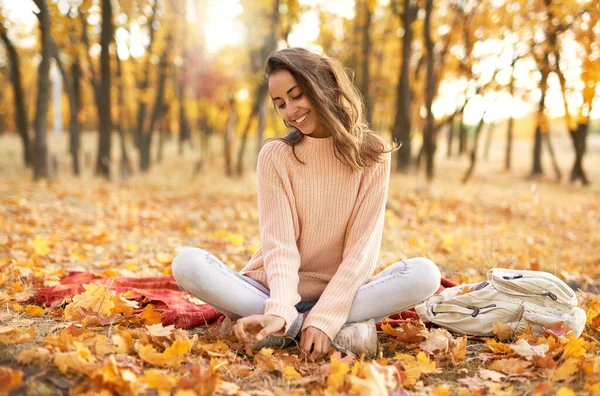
(291, 111)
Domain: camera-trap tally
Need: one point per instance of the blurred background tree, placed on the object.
(189, 74)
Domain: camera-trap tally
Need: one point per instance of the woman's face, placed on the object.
(293, 105)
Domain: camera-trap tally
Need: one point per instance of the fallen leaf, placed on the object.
(502, 331)
(336, 377)
(158, 330)
(10, 379)
(33, 355)
(564, 391)
(458, 349)
(567, 370)
(16, 336)
(149, 316)
(95, 299)
(156, 379)
(34, 310)
(510, 366)
(524, 349)
(575, 347)
(491, 375)
(291, 373)
(41, 246)
(436, 340)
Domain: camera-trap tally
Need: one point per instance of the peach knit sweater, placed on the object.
(321, 226)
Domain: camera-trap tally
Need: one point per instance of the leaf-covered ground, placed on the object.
(136, 228)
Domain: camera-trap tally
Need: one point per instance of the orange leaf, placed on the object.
(465, 290)
(459, 348)
(557, 329)
(10, 379)
(149, 316)
(389, 330)
(502, 331)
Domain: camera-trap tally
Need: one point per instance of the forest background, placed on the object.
(131, 128)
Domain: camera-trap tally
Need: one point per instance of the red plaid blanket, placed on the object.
(167, 298)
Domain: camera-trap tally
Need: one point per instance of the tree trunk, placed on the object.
(104, 116)
(542, 124)
(40, 147)
(125, 168)
(260, 96)
(488, 140)
(143, 85)
(402, 122)
(548, 141)
(21, 120)
(428, 132)
(579, 142)
(473, 155)
(74, 127)
(157, 108)
(228, 136)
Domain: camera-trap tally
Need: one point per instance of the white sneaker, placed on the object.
(358, 338)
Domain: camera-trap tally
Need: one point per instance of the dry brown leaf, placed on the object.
(491, 375)
(502, 331)
(33, 355)
(524, 349)
(510, 366)
(437, 340)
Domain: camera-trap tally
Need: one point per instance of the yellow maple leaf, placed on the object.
(80, 360)
(415, 366)
(567, 369)
(291, 373)
(95, 299)
(575, 347)
(565, 391)
(337, 374)
(41, 246)
(34, 310)
(157, 379)
(172, 356)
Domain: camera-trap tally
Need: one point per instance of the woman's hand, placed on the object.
(252, 329)
(314, 338)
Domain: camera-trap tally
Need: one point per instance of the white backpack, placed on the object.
(516, 298)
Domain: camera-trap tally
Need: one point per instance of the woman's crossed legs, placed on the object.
(400, 286)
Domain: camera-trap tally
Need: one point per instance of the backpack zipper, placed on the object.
(505, 281)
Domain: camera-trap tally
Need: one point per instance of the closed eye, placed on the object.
(281, 106)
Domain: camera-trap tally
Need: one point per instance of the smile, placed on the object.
(300, 120)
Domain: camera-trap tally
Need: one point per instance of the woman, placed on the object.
(321, 197)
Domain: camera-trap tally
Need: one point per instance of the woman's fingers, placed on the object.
(239, 331)
(306, 341)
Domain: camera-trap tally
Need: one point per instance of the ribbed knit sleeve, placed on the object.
(360, 254)
(278, 237)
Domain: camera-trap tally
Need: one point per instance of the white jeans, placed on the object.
(400, 286)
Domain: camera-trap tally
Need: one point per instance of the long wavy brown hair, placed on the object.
(337, 103)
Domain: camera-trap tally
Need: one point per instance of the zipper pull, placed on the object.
(512, 277)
